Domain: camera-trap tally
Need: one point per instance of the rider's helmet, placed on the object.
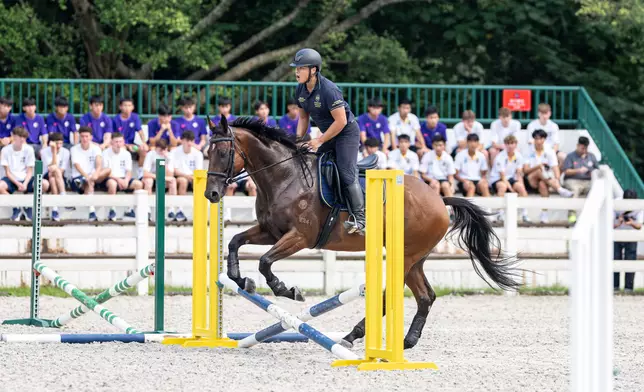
(307, 57)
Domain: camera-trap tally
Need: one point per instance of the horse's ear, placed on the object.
(224, 124)
(211, 124)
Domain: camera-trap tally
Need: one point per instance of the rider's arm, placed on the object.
(340, 121)
(303, 123)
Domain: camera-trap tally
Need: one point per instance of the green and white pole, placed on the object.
(159, 247)
(117, 289)
(84, 298)
(36, 225)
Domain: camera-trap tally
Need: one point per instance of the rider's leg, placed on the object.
(346, 150)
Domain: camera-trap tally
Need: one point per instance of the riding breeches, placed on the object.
(346, 145)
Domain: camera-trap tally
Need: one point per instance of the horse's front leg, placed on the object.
(290, 243)
(255, 236)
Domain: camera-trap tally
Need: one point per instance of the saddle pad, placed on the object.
(327, 194)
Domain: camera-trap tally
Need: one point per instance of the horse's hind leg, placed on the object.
(359, 330)
(255, 236)
(425, 297)
(290, 243)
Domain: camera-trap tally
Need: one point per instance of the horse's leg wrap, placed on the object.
(254, 235)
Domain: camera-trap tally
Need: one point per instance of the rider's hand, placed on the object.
(314, 144)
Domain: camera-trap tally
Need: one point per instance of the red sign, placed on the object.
(517, 100)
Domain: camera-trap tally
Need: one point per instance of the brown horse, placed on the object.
(290, 215)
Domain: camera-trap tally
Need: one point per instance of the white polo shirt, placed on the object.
(551, 129)
(18, 161)
(150, 163)
(86, 159)
(547, 156)
(499, 132)
(408, 163)
(461, 133)
(503, 164)
(468, 167)
(47, 157)
(187, 163)
(438, 168)
(120, 162)
(407, 127)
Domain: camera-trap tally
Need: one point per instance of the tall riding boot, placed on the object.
(355, 202)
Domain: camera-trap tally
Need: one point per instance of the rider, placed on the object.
(321, 99)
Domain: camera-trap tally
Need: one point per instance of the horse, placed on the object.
(290, 215)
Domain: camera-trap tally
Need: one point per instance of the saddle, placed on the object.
(330, 189)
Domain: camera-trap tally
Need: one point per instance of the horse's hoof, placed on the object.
(345, 344)
(410, 342)
(296, 294)
(249, 285)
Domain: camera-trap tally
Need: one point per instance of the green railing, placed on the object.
(571, 106)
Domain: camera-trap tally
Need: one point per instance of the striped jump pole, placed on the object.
(290, 320)
(84, 298)
(306, 315)
(117, 289)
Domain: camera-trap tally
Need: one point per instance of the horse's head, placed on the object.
(224, 159)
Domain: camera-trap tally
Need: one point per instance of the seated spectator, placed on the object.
(437, 168)
(34, 124)
(190, 122)
(577, 169)
(224, 110)
(62, 122)
(552, 130)
(469, 126)
(150, 168)
(372, 146)
(18, 160)
(403, 158)
(55, 161)
(500, 129)
(87, 167)
(430, 129)
(185, 159)
(128, 124)
(626, 220)
(262, 111)
(99, 122)
(541, 170)
(471, 168)
(506, 174)
(7, 121)
(119, 161)
(374, 125)
(164, 127)
(289, 121)
(404, 122)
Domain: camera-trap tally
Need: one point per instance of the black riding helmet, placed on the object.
(307, 58)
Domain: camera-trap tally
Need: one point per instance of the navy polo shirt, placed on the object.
(324, 98)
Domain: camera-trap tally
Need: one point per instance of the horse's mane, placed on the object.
(266, 133)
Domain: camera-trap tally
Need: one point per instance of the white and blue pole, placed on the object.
(306, 315)
(290, 320)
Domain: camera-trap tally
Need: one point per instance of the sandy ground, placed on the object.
(480, 343)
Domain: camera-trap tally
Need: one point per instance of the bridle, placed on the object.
(229, 175)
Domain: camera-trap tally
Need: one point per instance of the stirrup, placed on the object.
(353, 226)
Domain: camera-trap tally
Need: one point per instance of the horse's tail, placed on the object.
(478, 237)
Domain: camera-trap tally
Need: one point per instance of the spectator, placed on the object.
(18, 160)
(467, 127)
(119, 161)
(429, 129)
(62, 122)
(627, 220)
(403, 158)
(437, 168)
(224, 110)
(128, 124)
(261, 113)
(34, 124)
(149, 172)
(100, 124)
(552, 130)
(164, 127)
(577, 169)
(289, 121)
(500, 129)
(471, 167)
(404, 122)
(190, 122)
(7, 121)
(374, 125)
(87, 167)
(186, 159)
(372, 146)
(506, 174)
(541, 170)
(55, 160)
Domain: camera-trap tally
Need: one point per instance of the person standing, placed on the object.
(626, 220)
